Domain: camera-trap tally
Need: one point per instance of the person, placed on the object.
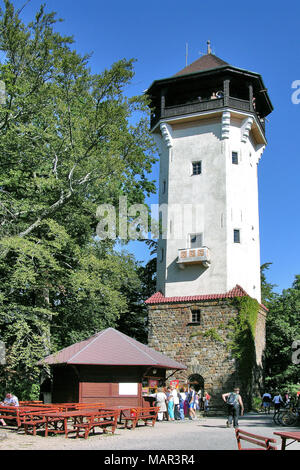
(176, 402)
(9, 400)
(207, 398)
(182, 399)
(197, 402)
(234, 406)
(213, 96)
(160, 401)
(170, 400)
(186, 403)
(286, 399)
(266, 402)
(278, 402)
(191, 401)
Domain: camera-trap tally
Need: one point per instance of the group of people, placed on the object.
(9, 400)
(177, 404)
(277, 400)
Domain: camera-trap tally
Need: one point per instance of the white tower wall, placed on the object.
(223, 198)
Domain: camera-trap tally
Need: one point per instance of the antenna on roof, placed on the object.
(208, 47)
(186, 53)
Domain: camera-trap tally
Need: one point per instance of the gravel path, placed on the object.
(207, 433)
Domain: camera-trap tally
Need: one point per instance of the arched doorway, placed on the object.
(197, 382)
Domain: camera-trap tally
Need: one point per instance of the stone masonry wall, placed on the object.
(204, 347)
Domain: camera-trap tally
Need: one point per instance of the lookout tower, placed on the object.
(209, 123)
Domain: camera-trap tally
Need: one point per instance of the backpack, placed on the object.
(232, 399)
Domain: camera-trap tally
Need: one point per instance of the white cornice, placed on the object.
(166, 132)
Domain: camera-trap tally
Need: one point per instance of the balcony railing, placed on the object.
(188, 256)
(206, 105)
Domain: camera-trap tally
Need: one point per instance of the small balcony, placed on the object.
(189, 256)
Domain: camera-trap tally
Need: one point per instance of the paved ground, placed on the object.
(204, 434)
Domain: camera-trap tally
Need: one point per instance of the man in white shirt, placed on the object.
(9, 400)
(176, 403)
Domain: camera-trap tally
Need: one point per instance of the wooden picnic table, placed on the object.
(285, 435)
(16, 413)
(124, 411)
(60, 420)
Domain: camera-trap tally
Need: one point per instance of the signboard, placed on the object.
(153, 383)
(174, 383)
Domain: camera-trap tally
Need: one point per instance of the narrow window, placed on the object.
(235, 159)
(164, 187)
(195, 315)
(162, 255)
(196, 168)
(196, 240)
(236, 236)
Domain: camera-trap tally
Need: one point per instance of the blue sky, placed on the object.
(259, 36)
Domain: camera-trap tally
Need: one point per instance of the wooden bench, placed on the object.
(260, 441)
(12, 413)
(101, 419)
(89, 406)
(34, 419)
(30, 403)
(16, 413)
(145, 414)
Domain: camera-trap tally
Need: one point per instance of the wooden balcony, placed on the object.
(206, 105)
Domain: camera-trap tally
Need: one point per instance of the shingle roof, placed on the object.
(159, 298)
(206, 62)
(111, 347)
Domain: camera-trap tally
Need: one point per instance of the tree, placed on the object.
(282, 331)
(267, 289)
(68, 144)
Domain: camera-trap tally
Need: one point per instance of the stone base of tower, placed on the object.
(202, 334)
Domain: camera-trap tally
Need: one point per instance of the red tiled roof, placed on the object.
(206, 62)
(159, 298)
(111, 347)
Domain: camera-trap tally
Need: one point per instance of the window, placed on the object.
(164, 185)
(235, 159)
(195, 315)
(196, 168)
(162, 255)
(196, 240)
(236, 236)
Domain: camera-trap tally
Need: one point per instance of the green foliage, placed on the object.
(283, 328)
(243, 339)
(267, 290)
(211, 334)
(67, 145)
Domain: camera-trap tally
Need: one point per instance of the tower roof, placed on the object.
(112, 348)
(206, 62)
